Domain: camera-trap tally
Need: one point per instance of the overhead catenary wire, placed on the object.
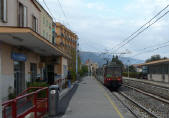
(49, 10)
(152, 50)
(144, 24)
(62, 10)
(128, 38)
(143, 30)
(153, 46)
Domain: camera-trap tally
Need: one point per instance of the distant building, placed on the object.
(91, 66)
(157, 70)
(46, 22)
(138, 69)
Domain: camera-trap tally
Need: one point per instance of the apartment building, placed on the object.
(66, 40)
(46, 22)
(20, 13)
(25, 54)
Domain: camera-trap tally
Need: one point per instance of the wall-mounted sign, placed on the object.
(18, 57)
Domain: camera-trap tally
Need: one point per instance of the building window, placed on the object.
(22, 15)
(46, 35)
(43, 19)
(3, 10)
(34, 23)
(33, 70)
(46, 23)
(43, 33)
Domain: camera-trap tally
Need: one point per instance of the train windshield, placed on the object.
(113, 71)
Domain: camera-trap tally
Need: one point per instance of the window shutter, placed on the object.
(36, 22)
(4, 18)
(24, 16)
(1, 9)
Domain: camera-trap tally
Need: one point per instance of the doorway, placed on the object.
(19, 77)
(50, 74)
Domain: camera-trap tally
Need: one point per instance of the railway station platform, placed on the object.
(92, 100)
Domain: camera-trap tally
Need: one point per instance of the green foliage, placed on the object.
(11, 96)
(117, 61)
(73, 75)
(37, 84)
(41, 94)
(132, 68)
(131, 74)
(83, 70)
(155, 58)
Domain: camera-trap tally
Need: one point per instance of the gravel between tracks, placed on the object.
(159, 108)
(156, 90)
(139, 113)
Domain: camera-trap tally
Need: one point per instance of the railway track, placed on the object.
(157, 90)
(152, 105)
(148, 94)
(135, 108)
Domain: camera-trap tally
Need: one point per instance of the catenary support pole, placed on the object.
(0, 83)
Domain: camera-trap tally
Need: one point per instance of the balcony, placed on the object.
(25, 36)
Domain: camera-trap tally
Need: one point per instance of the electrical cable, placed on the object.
(143, 30)
(142, 26)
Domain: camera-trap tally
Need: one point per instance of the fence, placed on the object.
(33, 100)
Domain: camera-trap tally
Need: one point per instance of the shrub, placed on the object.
(73, 75)
(41, 94)
(131, 74)
(11, 96)
(83, 70)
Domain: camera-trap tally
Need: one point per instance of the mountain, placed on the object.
(96, 57)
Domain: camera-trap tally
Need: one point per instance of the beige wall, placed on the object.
(0, 85)
(46, 23)
(7, 75)
(12, 11)
(158, 77)
(64, 63)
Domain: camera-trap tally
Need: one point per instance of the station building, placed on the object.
(26, 52)
(157, 70)
(66, 40)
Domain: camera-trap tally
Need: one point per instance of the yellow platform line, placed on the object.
(112, 103)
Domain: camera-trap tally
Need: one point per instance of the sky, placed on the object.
(102, 24)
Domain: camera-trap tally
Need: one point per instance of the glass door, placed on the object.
(19, 77)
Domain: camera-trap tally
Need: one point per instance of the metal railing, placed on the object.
(33, 100)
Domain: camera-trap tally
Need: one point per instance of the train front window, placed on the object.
(113, 71)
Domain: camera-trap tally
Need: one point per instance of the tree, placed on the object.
(132, 68)
(84, 70)
(117, 61)
(155, 58)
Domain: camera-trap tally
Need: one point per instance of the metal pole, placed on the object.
(76, 60)
(0, 84)
(128, 69)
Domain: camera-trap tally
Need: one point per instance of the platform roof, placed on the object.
(153, 62)
(29, 39)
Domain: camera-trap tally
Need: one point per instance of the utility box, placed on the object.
(53, 101)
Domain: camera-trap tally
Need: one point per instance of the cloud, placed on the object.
(101, 24)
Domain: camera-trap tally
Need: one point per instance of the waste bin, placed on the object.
(53, 100)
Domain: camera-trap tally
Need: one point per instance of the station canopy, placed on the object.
(27, 38)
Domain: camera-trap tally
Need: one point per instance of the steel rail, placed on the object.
(148, 82)
(125, 105)
(138, 105)
(148, 94)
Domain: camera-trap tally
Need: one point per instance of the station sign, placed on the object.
(18, 57)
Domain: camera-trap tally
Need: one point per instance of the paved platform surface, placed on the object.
(92, 101)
